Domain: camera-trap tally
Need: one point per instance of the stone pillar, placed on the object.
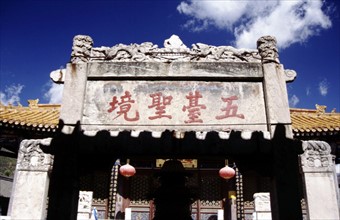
(31, 181)
(285, 202)
(321, 184)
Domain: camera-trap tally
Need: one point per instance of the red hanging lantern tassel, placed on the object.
(127, 170)
(227, 172)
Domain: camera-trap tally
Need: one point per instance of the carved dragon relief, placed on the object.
(317, 154)
(31, 157)
(174, 50)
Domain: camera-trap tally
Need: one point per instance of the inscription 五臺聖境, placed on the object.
(122, 107)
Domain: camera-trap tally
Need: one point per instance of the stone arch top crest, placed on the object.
(174, 50)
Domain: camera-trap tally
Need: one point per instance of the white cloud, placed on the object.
(54, 93)
(323, 87)
(289, 21)
(308, 92)
(11, 94)
(293, 101)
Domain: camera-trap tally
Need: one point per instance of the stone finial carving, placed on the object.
(81, 49)
(31, 157)
(317, 155)
(267, 49)
(174, 51)
(174, 42)
(290, 75)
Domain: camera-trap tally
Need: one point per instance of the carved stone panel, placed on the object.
(316, 157)
(174, 50)
(137, 105)
(31, 157)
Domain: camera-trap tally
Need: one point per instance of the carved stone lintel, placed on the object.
(32, 158)
(316, 157)
(267, 49)
(174, 51)
(290, 75)
(81, 49)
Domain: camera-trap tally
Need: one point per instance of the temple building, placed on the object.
(156, 133)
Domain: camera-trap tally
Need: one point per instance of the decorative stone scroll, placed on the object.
(174, 50)
(32, 158)
(317, 156)
(290, 75)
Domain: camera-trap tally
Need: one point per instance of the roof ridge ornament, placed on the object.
(33, 103)
(320, 109)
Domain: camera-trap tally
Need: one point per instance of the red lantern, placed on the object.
(227, 172)
(127, 170)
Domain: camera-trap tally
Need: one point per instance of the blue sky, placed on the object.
(36, 38)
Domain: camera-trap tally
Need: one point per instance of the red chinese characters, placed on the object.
(159, 102)
(194, 108)
(230, 110)
(124, 107)
(156, 105)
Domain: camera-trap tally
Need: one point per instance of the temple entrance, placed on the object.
(195, 192)
(199, 191)
(161, 186)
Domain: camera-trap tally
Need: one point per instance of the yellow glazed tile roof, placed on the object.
(45, 117)
(40, 117)
(306, 121)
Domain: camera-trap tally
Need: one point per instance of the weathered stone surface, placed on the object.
(290, 75)
(262, 202)
(58, 76)
(178, 105)
(321, 185)
(81, 49)
(177, 69)
(276, 96)
(174, 42)
(28, 200)
(84, 205)
(174, 50)
(317, 157)
(107, 67)
(31, 181)
(31, 157)
(73, 94)
(262, 206)
(267, 49)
